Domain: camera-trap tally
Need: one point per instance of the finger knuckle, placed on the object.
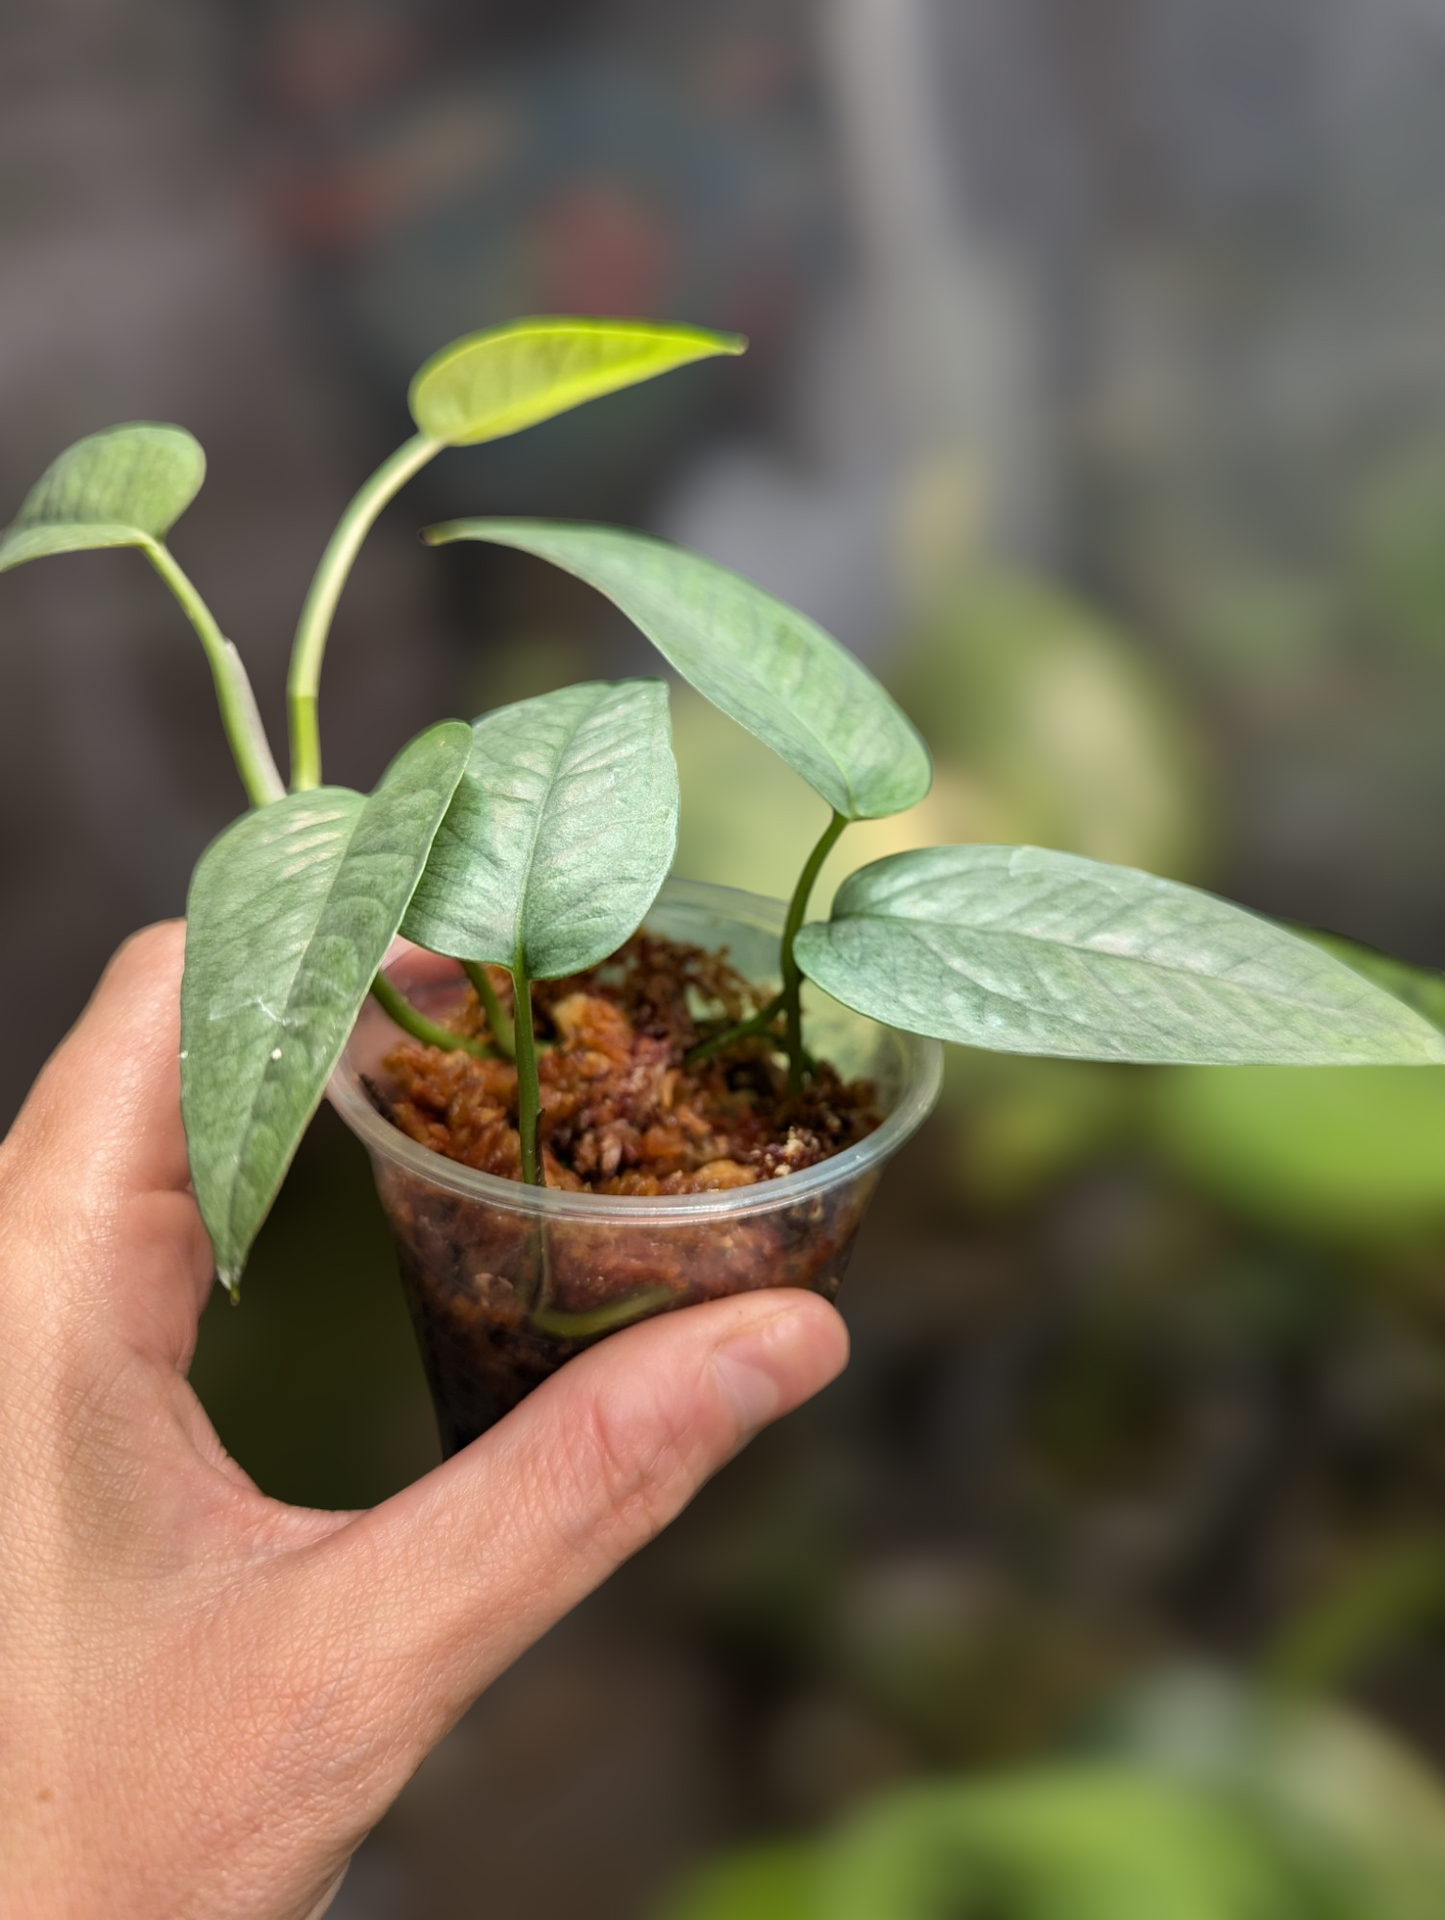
(642, 1462)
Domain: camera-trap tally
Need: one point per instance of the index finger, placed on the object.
(94, 1175)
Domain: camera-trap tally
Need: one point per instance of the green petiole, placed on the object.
(758, 1022)
(788, 1002)
(618, 1313)
(398, 1008)
(529, 1092)
(309, 647)
(239, 716)
(503, 1031)
(792, 994)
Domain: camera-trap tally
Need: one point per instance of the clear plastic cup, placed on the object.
(505, 1282)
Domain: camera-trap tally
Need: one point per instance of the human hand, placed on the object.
(209, 1697)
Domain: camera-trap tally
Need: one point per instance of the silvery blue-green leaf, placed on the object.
(776, 672)
(495, 383)
(1419, 987)
(560, 834)
(1027, 951)
(289, 915)
(125, 487)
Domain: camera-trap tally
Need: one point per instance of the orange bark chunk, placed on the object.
(621, 1111)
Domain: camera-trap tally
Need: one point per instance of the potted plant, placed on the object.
(591, 1092)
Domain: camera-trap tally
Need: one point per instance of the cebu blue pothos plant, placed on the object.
(537, 838)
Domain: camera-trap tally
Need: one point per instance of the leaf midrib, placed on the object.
(825, 752)
(754, 681)
(281, 1020)
(574, 729)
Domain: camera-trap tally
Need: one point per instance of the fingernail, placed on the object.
(766, 1370)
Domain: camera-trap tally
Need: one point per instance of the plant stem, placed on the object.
(309, 646)
(757, 1022)
(617, 1313)
(529, 1092)
(244, 732)
(418, 1026)
(503, 1031)
(792, 972)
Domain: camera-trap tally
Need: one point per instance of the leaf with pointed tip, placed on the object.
(495, 383)
(1422, 988)
(125, 487)
(290, 913)
(1027, 951)
(766, 665)
(561, 832)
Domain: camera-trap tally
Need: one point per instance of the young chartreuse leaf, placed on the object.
(289, 915)
(495, 383)
(768, 666)
(125, 487)
(1026, 951)
(560, 834)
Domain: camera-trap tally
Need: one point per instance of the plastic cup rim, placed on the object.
(923, 1059)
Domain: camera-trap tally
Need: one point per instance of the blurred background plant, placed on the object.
(1096, 397)
(1195, 1799)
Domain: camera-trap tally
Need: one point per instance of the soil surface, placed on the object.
(622, 1111)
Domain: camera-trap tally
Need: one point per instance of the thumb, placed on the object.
(463, 1570)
